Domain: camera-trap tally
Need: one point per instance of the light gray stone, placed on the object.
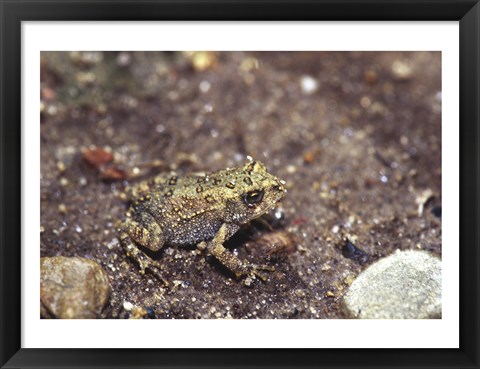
(404, 285)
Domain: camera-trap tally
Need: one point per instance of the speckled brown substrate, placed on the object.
(357, 137)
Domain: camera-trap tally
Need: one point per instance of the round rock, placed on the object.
(72, 288)
(404, 285)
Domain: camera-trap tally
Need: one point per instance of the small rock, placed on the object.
(138, 312)
(404, 285)
(309, 157)
(402, 70)
(350, 251)
(249, 63)
(62, 209)
(72, 288)
(309, 85)
(113, 173)
(276, 243)
(124, 59)
(96, 157)
(203, 60)
(128, 306)
(61, 166)
(204, 86)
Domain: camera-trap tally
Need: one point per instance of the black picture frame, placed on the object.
(467, 12)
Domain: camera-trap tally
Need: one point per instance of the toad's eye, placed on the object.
(253, 197)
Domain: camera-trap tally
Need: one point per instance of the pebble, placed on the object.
(124, 59)
(273, 243)
(402, 70)
(138, 312)
(96, 156)
(249, 63)
(291, 169)
(113, 174)
(203, 60)
(404, 285)
(309, 157)
(72, 288)
(61, 166)
(62, 209)
(350, 251)
(309, 85)
(204, 86)
(127, 305)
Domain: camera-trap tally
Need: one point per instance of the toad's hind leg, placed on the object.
(229, 260)
(147, 233)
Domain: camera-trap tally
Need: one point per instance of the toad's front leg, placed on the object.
(229, 260)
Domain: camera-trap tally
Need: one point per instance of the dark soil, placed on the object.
(356, 136)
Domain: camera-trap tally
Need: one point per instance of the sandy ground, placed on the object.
(355, 135)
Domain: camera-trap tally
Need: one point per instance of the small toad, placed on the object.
(200, 210)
